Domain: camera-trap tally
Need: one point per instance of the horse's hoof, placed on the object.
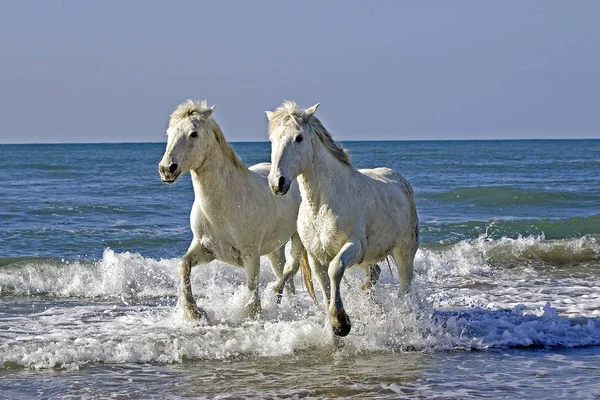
(404, 290)
(254, 312)
(342, 331)
(253, 308)
(278, 289)
(290, 287)
(340, 324)
(375, 273)
(193, 314)
(280, 285)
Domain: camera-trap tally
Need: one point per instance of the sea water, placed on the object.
(505, 302)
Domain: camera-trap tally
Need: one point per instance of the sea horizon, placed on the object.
(340, 141)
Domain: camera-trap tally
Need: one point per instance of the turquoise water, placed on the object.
(507, 273)
(72, 201)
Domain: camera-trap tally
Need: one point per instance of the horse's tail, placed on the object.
(387, 259)
(307, 276)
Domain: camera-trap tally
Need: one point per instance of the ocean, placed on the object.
(505, 302)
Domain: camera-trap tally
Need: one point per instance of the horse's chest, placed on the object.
(216, 238)
(321, 234)
(226, 252)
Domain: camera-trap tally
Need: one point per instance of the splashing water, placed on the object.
(123, 309)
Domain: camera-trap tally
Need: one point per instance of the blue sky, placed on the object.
(83, 71)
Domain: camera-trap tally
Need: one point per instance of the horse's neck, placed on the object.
(325, 180)
(217, 177)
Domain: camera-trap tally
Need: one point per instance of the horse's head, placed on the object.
(291, 144)
(188, 138)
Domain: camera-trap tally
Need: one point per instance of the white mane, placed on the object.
(290, 113)
(199, 111)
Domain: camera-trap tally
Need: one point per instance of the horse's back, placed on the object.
(383, 174)
(393, 180)
(261, 169)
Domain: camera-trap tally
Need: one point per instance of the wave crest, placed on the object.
(115, 275)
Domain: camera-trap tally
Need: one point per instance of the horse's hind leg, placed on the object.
(372, 274)
(404, 256)
(196, 254)
(277, 260)
(320, 272)
(291, 267)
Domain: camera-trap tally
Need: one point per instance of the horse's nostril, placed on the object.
(173, 167)
(281, 182)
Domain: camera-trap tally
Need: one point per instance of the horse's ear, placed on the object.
(309, 112)
(207, 113)
(269, 114)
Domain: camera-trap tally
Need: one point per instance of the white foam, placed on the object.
(126, 311)
(115, 275)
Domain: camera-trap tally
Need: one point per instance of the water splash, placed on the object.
(123, 309)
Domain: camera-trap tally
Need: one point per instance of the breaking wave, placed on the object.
(476, 294)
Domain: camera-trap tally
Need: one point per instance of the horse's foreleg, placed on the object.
(252, 268)
(196, 254)
(349, 255)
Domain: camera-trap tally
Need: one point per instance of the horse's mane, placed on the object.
(289, 112)
(197, 111)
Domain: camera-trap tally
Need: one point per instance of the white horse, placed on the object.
(235, 217)
(347, 216)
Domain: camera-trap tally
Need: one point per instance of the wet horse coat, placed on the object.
(235, 218)
(347, 217)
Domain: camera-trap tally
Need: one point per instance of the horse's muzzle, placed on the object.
(169, 174)
(281, 187)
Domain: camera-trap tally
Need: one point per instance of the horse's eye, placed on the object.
(299, 138)
(194, 134)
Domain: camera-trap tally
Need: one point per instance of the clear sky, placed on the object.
(112, 71)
